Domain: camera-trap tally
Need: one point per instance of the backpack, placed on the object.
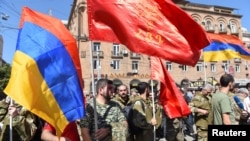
(128, 109)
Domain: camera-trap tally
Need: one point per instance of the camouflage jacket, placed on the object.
(23, 126)
(202, 102)
(236, 109)
(120, 101)
(108, 116)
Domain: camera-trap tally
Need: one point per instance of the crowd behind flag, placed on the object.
(225, 47)
(46, 73)
(151, 27)
(171, 97)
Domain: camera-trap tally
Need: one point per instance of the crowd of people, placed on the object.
(108, 114)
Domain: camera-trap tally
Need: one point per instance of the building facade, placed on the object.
(118, 63)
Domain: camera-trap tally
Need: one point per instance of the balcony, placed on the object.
(98, 54)
(234, 32)
(135, 55)
(237, 60)
(209, 28)
(222, 30)
(116, 54)
(135, 71)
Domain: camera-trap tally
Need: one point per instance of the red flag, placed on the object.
(153, 27)
(171, 97)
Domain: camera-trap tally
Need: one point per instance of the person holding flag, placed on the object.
(23, 126)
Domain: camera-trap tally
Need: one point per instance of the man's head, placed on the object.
(122, 90)
(243, 92)
(184, 85)
(143, 88)
(133, 92)
(207, 89)
(105, 88)
(227, 80)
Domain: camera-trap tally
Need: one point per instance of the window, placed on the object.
(237, 67)
(169, 66)
(116, 50)
(209, 25)
(225, 66)
(184, 68)
(116, 64)
(213, 68)
(96, 64)
(97, 46)
(199, 67)
(232, 27)
(221, 27)
(135, 65)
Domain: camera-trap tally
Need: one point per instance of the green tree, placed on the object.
(5, 70)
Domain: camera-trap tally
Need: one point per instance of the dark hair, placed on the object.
(236, 85)
(184, 83)
(101, 83)
(225, 79)
(248, 85)
(142, 87)
(122, 85)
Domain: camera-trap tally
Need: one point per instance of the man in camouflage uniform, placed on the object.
(202, 109)
(143, 116)
(23, 122)
(111, 122)
(122, 98)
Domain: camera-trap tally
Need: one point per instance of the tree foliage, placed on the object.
(5, 70)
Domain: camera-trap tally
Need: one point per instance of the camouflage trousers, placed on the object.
(202, 134)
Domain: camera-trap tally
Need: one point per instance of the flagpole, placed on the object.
(93, 85)
(153, 105)
(11, 119)
(205, 72)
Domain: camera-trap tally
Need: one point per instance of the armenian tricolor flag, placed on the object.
(46, 74)
(224, 47)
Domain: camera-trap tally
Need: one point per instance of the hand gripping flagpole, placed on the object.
(153, 105)
(93, 86)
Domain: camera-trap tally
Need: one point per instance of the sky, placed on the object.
(61, 10)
